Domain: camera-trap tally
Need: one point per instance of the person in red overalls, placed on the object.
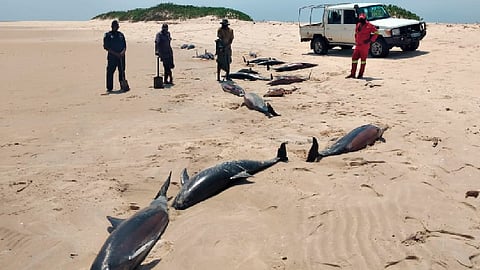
(365, 33)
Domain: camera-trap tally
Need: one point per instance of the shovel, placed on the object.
(158, 81)
(123, 83)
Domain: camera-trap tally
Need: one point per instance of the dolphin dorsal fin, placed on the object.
(115, 223)
(163, 190)
(240, 175)
(184, 178)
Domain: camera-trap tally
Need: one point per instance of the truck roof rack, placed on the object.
(312, 7)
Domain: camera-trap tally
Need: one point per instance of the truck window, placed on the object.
(334, 17)
(349, 17)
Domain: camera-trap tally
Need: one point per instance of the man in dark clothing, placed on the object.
(114, 42)
(163, 49)
(224, 49)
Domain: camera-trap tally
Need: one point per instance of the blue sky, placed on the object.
(459, 11)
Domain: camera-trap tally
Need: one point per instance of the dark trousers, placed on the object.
(112, 65)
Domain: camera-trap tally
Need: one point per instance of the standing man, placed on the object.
(163, 49)
(365, 33)
(224, 49)
(114, 42)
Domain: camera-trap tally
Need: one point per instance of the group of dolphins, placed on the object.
(254, 101)
(131, 239)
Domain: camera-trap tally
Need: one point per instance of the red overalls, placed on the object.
(363, 37)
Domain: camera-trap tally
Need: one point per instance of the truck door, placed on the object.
(349, 22)
(334, 25)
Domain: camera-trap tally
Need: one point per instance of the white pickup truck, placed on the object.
(336, 27)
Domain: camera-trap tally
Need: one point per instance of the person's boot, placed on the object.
(353, 71)
(362, 70)
(165, 78)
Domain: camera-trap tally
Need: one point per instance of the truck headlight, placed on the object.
(395, 32)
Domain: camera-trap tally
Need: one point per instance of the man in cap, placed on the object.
(365, 33)
(114, 42)
(163, 49)
(224, 49)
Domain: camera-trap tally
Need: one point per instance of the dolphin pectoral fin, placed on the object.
(282, 152)
(240, 175)
(163, 190)
(115, 223)
(313, 153)
(184, 178)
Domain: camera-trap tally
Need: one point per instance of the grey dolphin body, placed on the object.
(216, 179)
(282, 80)
(255, 102)
(132, 239)
(248, 70)
(355, 140)
(247, 76)
(294, 66)
(232, 88)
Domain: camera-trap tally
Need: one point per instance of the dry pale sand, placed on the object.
(70, 156)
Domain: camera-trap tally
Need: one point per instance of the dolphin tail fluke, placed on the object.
(271, 111)
(313, 153)
(163, 190)
(282, 152)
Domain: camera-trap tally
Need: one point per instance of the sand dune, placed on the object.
(69, 156)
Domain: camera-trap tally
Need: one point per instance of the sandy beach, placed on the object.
(70, 156)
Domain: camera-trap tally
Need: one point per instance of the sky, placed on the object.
(443, 11)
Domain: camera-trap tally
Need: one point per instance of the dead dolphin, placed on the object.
(255, 102)
(232, 88)
(294, 66)
(263, 61)
(248, 70)
(355, 140)
(270, 62)
(131, 240)
(207, 55)
(247, 76)
(217, 178)
(256, 60)
(282, 80)
(279, 92)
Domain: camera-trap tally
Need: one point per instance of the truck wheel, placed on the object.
(410, 47)
(319, 45)
(379, 48)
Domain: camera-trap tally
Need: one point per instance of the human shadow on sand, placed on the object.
(114, 92)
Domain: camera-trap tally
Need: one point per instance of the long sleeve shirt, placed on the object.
(114, 41)
(364, 34)
(226, 35)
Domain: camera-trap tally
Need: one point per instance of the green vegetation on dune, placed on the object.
(398, 12)
(171, 11)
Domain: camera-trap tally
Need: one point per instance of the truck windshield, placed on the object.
(375, 12)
